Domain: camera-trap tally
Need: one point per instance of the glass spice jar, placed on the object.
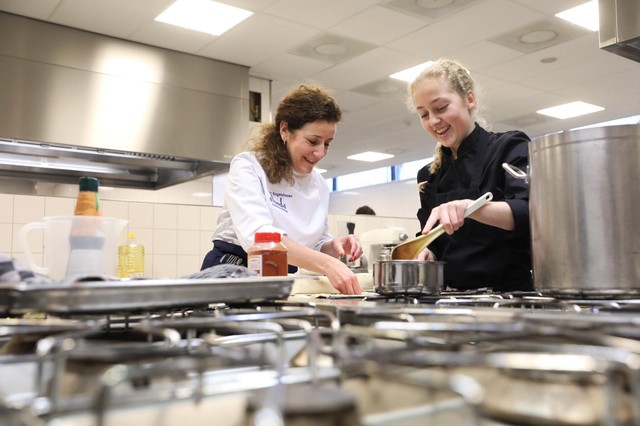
(268, 256)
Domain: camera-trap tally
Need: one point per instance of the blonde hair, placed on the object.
(459, 80)
(303, 104)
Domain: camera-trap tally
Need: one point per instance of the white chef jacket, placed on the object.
(253, 204)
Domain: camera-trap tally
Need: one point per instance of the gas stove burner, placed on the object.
(414, 298)
(606, 294)
(410, 299)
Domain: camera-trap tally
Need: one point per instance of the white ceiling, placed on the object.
(390, 35)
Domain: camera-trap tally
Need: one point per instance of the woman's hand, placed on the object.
(342, 278)
(326, 261)
(339, 275)
(450, 215)
(426, 254)
(341, 246)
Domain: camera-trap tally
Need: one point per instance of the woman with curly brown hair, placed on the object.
(274, 188)
(493, 248)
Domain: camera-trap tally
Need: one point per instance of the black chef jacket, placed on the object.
(479, 255)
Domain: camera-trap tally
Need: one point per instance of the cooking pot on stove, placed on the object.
(584, 207)
(408, 276)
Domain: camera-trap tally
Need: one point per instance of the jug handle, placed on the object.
(27, 249)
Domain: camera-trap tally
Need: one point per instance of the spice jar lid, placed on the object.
(267, 237)
(89, 184)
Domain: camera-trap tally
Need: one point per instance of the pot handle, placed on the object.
(515, 172)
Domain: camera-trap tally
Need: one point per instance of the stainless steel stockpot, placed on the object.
(585, 210)
(408, 276)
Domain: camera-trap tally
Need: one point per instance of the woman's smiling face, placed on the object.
(309, 144)
(443, 113)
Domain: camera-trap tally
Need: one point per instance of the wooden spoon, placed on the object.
(410, 249)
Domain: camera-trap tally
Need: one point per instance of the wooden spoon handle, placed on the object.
(430, 236)
(481, 201)
(410, 249)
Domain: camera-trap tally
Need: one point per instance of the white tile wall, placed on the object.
(205, 241)
(28, 208)
(56, 206)
(6, 237)
(140, 215)
(116, 209)
(165, 216)
(188, 242)
(209, 218)
(187, 265)
(176, 237)
(165, 266)
(189, 217)
(6, 211)
(165, 241)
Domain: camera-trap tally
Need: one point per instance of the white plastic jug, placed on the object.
(75, 245)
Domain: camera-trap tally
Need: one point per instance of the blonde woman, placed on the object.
(491, 248)
(274, 188)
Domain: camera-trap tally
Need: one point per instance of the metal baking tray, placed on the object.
(139, 295)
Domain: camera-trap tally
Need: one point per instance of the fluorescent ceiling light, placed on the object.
(319, 170)
(370, 156)
(203, 15)
(410, 74)
(585, 15)
(572, 109)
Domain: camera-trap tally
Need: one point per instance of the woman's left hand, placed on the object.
(450, 215)
(347, 245)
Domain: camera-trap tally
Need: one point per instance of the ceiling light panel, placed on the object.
(584, 15)
(410, 74)
(572, 109)
(431, 9)
(203, 15)
(370, 156)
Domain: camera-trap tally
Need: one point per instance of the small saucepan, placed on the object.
(408, 277)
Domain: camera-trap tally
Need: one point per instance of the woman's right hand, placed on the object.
(342, 278)
(339, 275)
(426, 254)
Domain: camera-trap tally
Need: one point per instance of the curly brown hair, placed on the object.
(303, 104)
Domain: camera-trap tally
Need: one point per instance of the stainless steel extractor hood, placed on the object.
(75, 103)
(620, 27)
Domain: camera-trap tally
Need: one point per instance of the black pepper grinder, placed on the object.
(351, 227)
